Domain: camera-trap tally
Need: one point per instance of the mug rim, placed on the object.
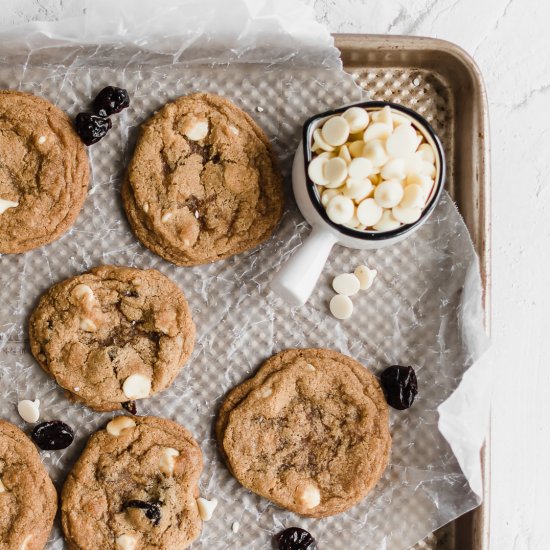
(363, 234)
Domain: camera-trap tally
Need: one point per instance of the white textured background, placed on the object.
(510, 40)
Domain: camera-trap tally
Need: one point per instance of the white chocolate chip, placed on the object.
(403, 142)
(394, 170)
(310, 367)
(340, 209)
(357, 189)
(388, 194)
(83, 294)
(186, 242)
(29, 410)
(406, 215)
(25, 543)
(326, 155)
(206, 508)
(335, 171)
(266, 392)
(399, 120)
(319, 141)
(41, 140)
(234, 130)
(335, 131)
(426, 152)
(365, 275)
(383, 115)
(167, 460)
(357, 118)
(341, 306)
(377, 130)
(126, 542)
(197, 214)
(360, 168)
(5, 204)
(413, 197)
(117, 425)
(166, 217)
(327, 195)
(346, 284)
(146, 207)
(387, 222)
(2, 487)
(136, 386)
(197, 130)
(375, 151)
(87, 325)
(315, 171)
(235, 526)
(355, 148)
(413, 164)
(308, 497)
(345, 154)
(369, 212)
(427, 169)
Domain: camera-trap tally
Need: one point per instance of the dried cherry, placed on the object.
(295, 538)
(400, 386)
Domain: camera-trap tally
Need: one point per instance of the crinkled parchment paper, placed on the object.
(424, 309)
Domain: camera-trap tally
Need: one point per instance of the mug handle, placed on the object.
(296, 280)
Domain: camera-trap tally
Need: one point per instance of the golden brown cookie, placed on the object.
(134, 488)
(309, 431)
(44, 172)
(202, 184)
(28, 499)
(112, 335)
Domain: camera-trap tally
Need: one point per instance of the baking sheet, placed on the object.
(414, 314)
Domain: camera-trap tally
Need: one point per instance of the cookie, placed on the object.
(134, 488)
(202, 184)
(28, 499)
(112, 335)
(44, 172)
(309, 431)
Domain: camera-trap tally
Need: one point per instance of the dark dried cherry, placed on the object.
(152, 509)
(295, 538)
(52, 436)
(91, 128)
(400, 386)
(110, 100)
(130, 406)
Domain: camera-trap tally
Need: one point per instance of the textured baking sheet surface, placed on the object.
(412, 314)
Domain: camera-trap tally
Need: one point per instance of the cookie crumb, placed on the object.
(259, 109)
(235, 526)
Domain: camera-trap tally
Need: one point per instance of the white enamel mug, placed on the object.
(297, 278)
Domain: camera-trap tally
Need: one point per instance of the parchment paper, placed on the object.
(424, 309)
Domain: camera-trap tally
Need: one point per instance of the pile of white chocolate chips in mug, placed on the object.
(373, 170)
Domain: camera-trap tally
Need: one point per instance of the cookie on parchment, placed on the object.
(203, 183)
(309, 431)
(112, 335)
(134, 488)
(28, 499)
(44, 172)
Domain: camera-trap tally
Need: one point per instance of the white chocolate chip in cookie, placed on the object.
(137, 386)
(126, 542)
(167, 460)
(206, 508)
(266, 392)
(41, 140)
(25, 543)
(146, 207)
(234, 130)
(310, 367)
(197, 130)
(166, 217)
(87, 325)
(365, 275)
(82, 294)
(119, 424)
(308, 497)
(29, 410)
(2, 487)
(5, 204)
